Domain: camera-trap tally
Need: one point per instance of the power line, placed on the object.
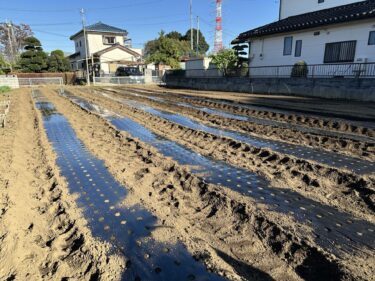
(77, 9)
(52, 33)
(86, 47)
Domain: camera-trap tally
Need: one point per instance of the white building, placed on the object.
(106, 46)
(315, 31)
(201, 67)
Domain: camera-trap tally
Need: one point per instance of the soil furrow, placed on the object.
(210, 215)
(346, 191)
(123, 226)
(43, 235)
(241, 108)
(340, 145)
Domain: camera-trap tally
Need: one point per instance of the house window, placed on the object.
(80, 43)
(109, 40)
(320, 1)
(298, 50)
(76, 44)
(288, 45)
(371, 39)
(340, 52)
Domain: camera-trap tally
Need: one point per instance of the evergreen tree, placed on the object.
(225, 60)
(2, 64)
(203, 45)
(57, 62)
(34, 59)
(174, 35)
(166, 50)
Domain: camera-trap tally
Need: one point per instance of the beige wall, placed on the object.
(95, 42)
(114, 55)
(117, 55)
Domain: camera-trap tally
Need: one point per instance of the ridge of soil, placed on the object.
(341, 145)
(215, 100)
(346, 191)
(43, 234)
(220, 227)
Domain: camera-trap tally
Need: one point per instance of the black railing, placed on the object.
(347, 70)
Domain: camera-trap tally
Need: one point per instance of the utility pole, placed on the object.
(86, 47)
(14, 40)
(191, 26)
(93, 70)
(9, 25)
(197, 35)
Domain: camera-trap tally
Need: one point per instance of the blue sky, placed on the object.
(54, 21)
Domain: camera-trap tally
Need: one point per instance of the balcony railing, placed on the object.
(347, 70)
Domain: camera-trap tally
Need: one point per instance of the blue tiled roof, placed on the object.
(102, 27)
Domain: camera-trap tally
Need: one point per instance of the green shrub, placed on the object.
(300, 69)
(4, 89)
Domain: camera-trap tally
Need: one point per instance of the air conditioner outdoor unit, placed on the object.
(360, 68)
(362, 60)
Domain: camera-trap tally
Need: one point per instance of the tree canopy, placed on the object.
(34, 59)
(224, 60)
(57, 62)
(166, 49)
(203, 45)
(171, 47)
(2, 64)
(174, 35)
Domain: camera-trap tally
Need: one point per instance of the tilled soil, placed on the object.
(219, 101)
(339, 144)
(344, 190)
(224, 219)
(43, 235)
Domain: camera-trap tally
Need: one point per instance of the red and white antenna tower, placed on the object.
(219, 27)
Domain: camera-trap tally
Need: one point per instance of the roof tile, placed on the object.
(344, 13)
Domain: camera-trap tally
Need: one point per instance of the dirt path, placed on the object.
(42, 233)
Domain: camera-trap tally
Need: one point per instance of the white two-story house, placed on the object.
(319, 32)
(106, 46)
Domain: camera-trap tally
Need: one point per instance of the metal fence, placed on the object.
(31, 82)
(127, 80)
(348, 70)
(14, 82)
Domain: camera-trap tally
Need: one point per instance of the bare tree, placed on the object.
(12, 39)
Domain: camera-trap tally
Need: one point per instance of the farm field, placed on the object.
(148, 183)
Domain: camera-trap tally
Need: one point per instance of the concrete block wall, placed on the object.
(334, 88)
(11, 81)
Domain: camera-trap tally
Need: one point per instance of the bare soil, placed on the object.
(339, 144)
(43, 235)
(220, 220)
(344, 190)
(332, 115)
